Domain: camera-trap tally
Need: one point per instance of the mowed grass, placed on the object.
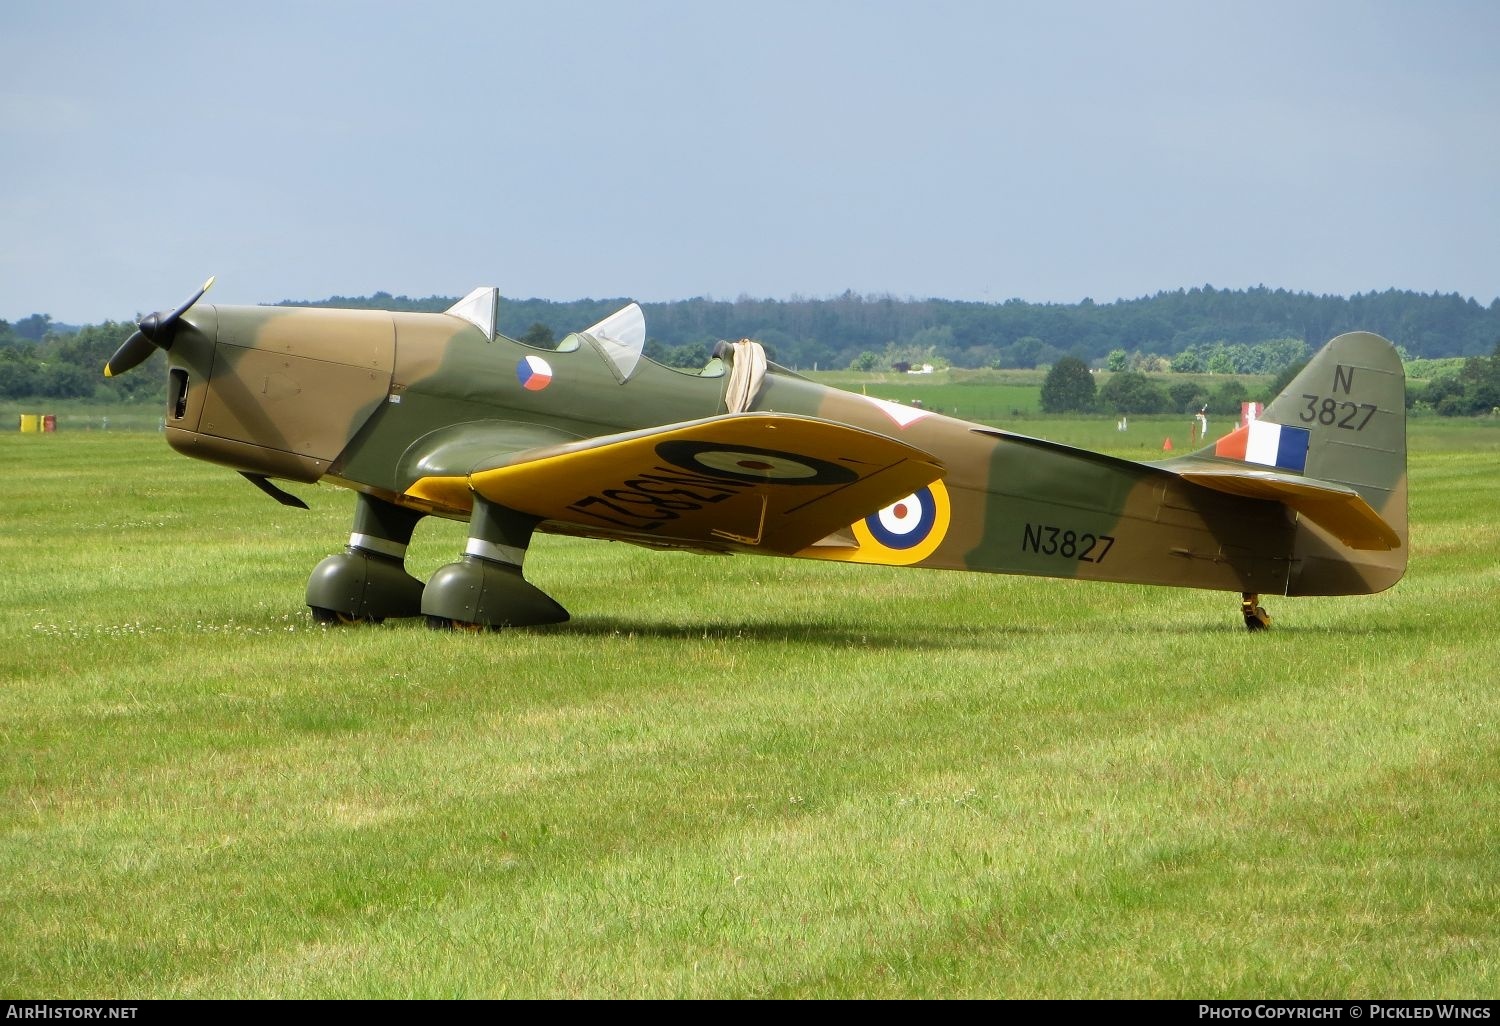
(974, 395)
(728, 777)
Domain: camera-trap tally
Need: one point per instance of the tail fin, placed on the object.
(1333, 448)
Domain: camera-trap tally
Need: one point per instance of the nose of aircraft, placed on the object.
(154, 331)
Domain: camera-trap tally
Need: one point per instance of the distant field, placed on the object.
(81, 415)
(984, 401)
(1425, 369)
(992, 396)
(989, 396)
(730, 777)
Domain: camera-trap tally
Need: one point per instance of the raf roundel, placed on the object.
(908, 530)
(906, 523)
(771, 466)
(749, 463)
(534, 373)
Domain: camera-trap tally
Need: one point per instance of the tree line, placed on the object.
(834, 332)
(1247, 331)
(68, 363)
(1470, 386)
(1070, 388)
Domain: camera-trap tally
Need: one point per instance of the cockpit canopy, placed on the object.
(619, 338)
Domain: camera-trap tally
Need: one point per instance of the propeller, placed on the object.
(153, 331)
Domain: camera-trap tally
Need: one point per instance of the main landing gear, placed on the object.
(368, 582)
(1256, 617)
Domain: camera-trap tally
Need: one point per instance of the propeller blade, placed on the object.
(135, 349)
(158, 328)
(185, 307)
(154, 331)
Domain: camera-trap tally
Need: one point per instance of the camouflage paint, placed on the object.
(380, 402)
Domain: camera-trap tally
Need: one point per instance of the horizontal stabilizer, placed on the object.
(1336, 508)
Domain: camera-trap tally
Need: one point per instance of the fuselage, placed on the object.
(376, 401)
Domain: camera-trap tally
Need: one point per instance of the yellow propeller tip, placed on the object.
(107, 374)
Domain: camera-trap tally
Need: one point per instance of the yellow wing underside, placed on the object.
(764, 481)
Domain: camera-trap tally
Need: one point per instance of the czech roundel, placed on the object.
(534, 373)
(908, 530)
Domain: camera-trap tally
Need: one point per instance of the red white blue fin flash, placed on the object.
(1271, 445)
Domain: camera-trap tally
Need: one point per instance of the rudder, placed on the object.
(1351, 397)
(1341, 420)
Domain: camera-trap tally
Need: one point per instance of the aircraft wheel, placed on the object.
(340, 618)
(443, 623)
(1256, 617)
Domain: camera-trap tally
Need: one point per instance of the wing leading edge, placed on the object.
(765, 481)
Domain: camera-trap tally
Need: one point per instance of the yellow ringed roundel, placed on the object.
(908, 530)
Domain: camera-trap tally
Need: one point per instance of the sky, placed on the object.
(659, 150)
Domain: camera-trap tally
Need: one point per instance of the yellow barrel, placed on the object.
(30, 422)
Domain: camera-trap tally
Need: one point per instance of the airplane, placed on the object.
(439, 414)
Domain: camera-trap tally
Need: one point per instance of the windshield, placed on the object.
(620, 337)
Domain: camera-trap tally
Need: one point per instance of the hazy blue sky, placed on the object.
(662, 150)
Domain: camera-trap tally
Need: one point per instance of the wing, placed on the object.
(764, 481)
(450, 452)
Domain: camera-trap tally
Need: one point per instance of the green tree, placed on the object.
(1475, 389)
(1225, 400)
(1187, 362)
(865, 361)
(33, 327)
(684, 357)
(20, 374)
(1454, 406)
(1116, 361)
(1186, 396)
(66, 381)
(1132, 392)
(1271, 356)
(1487, 382)
(1024, 352)
(1069, 387)
(1445, 394)
(932, 341)
(538, 335)
(1283, 379)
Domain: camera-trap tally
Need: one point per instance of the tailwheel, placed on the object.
(339, 618)
(1256, 617)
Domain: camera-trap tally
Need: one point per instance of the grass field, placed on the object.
(984, 395)
(728, 777)
(993, 396)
